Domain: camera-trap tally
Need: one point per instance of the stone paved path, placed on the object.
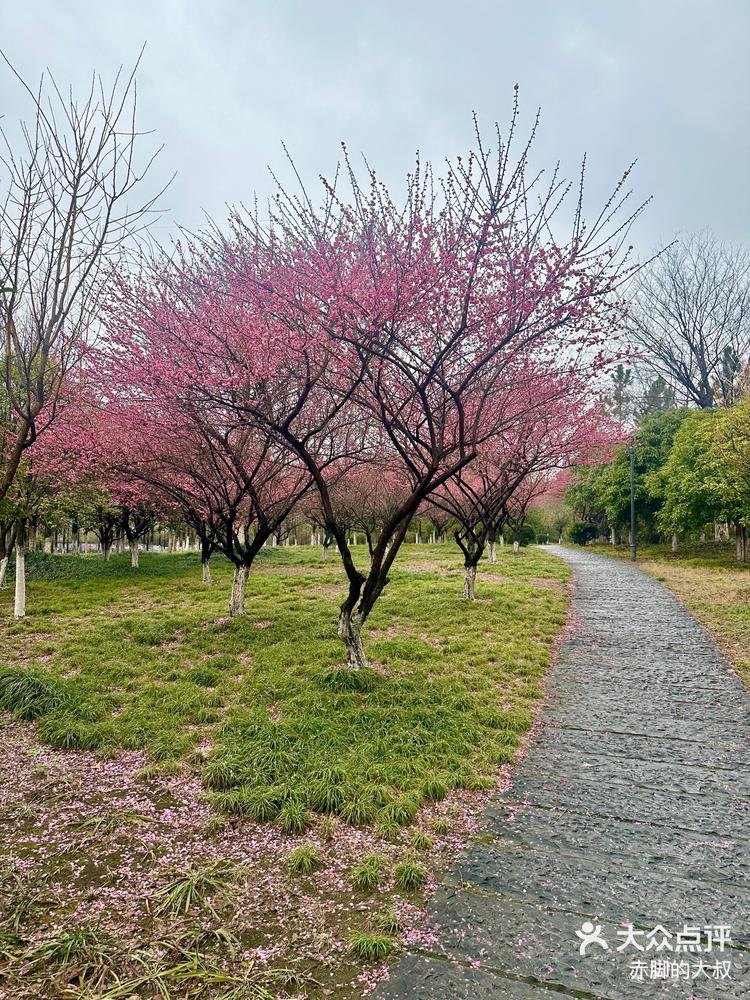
(633, 806)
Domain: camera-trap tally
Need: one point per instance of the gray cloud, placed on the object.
(223, 83)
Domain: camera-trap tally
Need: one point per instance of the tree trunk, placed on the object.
(612, 537)
(470, 579)
(19, 610)
(134, 553)
(502, 540)
(3, 572)
(106, 551)
(237, 599)
(516, 546)
(492, 549)
(741, 542)
(674, 542)
(206, 566)
(350, 633)
(47, 547)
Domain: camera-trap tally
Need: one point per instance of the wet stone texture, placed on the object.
(632, 807)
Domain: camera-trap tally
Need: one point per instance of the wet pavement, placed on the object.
(631, 810)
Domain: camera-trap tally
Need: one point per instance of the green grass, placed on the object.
(371, 947)
(711, 583)
(262, 726)
(366, 875)
(304, 860)
(112, 658)
(409, 875)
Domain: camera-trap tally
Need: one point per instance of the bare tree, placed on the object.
(691, 318)
(67, 209)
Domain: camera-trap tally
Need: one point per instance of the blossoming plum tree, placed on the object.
(369, 325)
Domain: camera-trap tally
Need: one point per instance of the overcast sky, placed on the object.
(223, 82)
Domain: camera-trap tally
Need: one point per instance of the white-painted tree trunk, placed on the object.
(416, 537)
(134, 553)
(274, 542)
(3, 572)
(470, 580)
(432, 538)
(19, 609)
(206, 568)
(492, 552)
(516, 546)
(675, 542)
(502, 539)
(612, 537)
(48, 545)
(237, 599)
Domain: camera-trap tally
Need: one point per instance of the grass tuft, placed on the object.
(344, 679)
(294, 818)
(366, 875)
(401, 811)
(30, 693)
(409, 876)
(191, 890)
(421, 841)
(371, 947)
(304, 860)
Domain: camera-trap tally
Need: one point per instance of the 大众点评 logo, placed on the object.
(667, 955)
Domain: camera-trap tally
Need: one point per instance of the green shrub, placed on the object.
(582, 532)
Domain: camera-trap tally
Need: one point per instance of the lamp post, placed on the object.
(633, 547)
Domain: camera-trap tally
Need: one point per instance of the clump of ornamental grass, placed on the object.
(262, 803)
(294, 818)
(303, 860)
(65, 731)
(433, 789)
(30, 693)
(357, 809)
(440, 826)
(421, 840)
(221, 773)
(324, 796)
(387, 922)
(388, 830)
(409, 875)
(400, 811)
(366, 875)
(193, 889)
(371, 947)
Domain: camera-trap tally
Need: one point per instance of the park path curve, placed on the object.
(632, 807)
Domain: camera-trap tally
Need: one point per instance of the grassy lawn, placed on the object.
(199, 807)
(712, 584)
